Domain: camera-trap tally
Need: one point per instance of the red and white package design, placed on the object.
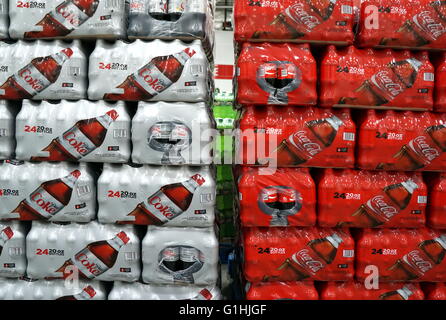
(440, 85)
(403, 24)
(367, 77)
(402, 141)
(401, 254)
(296, 137)
(294, 20)
(434, 291)
(353, 290)
(298, 290)
(295, 254)
(436, 214)
(286, 197)
(272, 73)
(371, 199)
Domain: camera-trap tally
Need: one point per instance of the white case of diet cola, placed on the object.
(12, 249)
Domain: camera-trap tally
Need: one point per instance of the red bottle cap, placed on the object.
(123, 236)
(8, 231)
(76, 174)
(206, 294)
(199, 179)
(90, 291)
(113, 114)
(190, 52)
(68, 52)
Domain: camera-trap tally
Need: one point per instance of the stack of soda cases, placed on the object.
(341, 149)
(106, 188)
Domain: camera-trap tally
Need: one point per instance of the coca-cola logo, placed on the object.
(308, 261)
(298, 13)
(71, 16)
(79, 146)
(309, 146)
(156, 202)
(27, 75)
(423, 147)
(46, 205)
(415, 258)
(385, 81)
(428, 23)
(90, 266)
(378, 203)
(154, 83)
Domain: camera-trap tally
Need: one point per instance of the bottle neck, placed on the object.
(3, 238)
(82, 296)
(442, 241)
(414, 63)
(105, 120)
(116, 243)
(410, 185)
(69, 180)
(405, 292)
(335, 122)
(191, 185)
(335, 240)
(182, 57)
(60, 58)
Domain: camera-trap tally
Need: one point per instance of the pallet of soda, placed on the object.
(68, 19)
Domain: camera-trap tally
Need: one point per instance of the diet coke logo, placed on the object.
(422, 147)
(429, 24)
(47, 205)
(27, 75)
(90, 266)
(304, 258)
(165, 210)
(380, 206)
(307, 144)
(67, 12)
(415, 258)
(384, 80)
(155, 83)
(77, 145)
(298, 14)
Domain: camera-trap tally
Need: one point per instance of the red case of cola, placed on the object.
(294, 20)
(276, 74)
(298, 290)
(371, 199)
(436, 214)
(367, 77)
(295, 254)
(434, 291)
(440, 84)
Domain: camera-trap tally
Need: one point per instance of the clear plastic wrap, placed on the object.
(7, 125)
(12, 249)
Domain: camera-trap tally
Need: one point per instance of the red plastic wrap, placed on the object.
(292, 137)
(435, 291)
(403, 141)
(436, 217)
(276, 74)
(368, 199)
(294, 254)
(402, 254)
(440, 85)
(286, 197)
(298, 290)
(367, 77)
(403, 23)
(294, 20)
(358, 291)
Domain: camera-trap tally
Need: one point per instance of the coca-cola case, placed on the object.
(269, 73)
(284, 197)
(402, 24)
(354, 290)
(33, 289)
(296, 254)
(298, 290)
(87, 251)
(7, 125)
(85, 131)
(440, 84)
(4, 19)
(290, 20)
(173, 134)
(48, 70)
(367, 77)
(157, 195)
(190, 20)
(436, 216)
(141, 291)
(12, 249)
(402, 141)
(47, 191)
(370, 199)
(56, 19)
(180, 256)
(167, 71)
(402, 254)
(434, 291)
(295, 137)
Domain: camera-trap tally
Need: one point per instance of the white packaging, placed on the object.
(50, 246)
(12, 249)
(123, 188)
(198, 264)
(39, 123)
(7, 123)
(172, 134)
(4, 19)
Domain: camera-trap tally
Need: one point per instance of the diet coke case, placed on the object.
(299, 290)
(180, 256)
(436, 217)
(172, 134)
(85, 131)
(33, 289)
(276, 74)
(370, 199)
(48, 70)
(295, 254)
(157, 195)
(402, 254)
(403, 24)
(7, 124)
(68, 19)
(149, 70)
(357, 291)
(295, 20)
(296, 137)
(285, 197)
(434, 291)
(4, 19)
(368, 77)
(47, 191)
(12, 249)
(140, 291)
(92, 250)
(403, 141)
